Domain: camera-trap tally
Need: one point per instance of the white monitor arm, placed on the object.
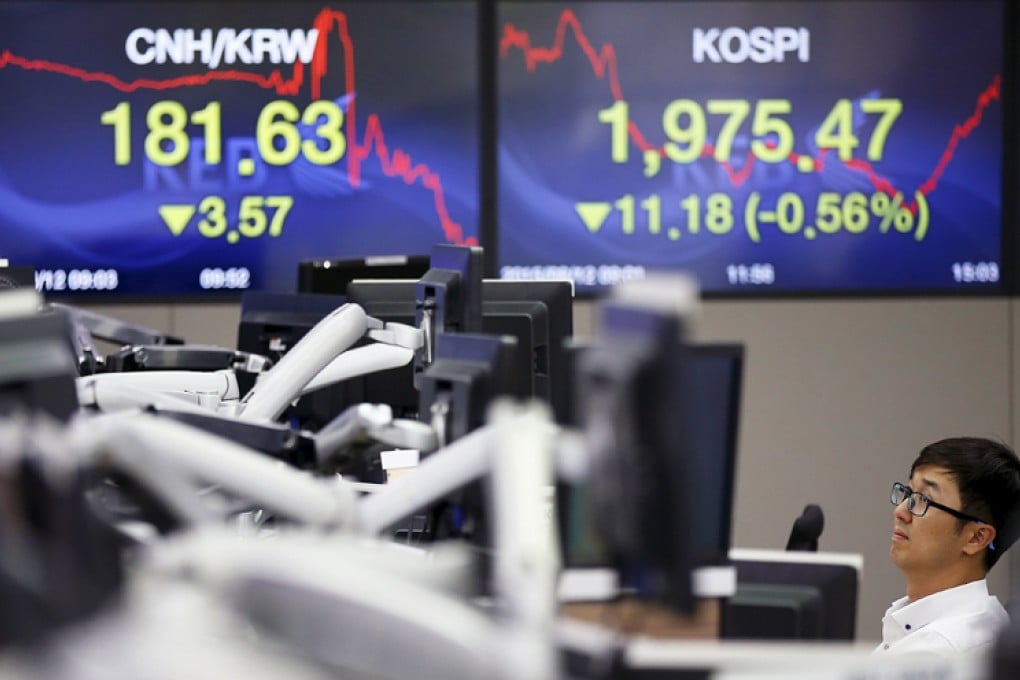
(170, 390)
(359, 361)
(343, 602)
(282, 384)
(372, 421)
(394, 346)
(515, 452)
(355, 606)
(175, 462)
(322, 357)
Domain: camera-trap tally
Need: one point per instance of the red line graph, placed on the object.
(394, 164)
(603, 63)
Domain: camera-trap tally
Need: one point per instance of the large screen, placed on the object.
(833, 146)
(192, 148)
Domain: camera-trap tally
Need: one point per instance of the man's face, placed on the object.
(933, 542)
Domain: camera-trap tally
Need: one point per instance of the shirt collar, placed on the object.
(911, 616)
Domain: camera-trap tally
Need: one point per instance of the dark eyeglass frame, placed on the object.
(912, 497)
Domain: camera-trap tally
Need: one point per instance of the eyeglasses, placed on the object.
(918, 503)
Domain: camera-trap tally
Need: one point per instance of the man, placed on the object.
(951, 524)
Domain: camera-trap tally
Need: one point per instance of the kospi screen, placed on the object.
(188, 148)
(766, 147)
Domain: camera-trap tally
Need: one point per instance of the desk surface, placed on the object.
(633, 618)
(593, 596)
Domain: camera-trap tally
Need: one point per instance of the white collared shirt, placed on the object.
(961, 619)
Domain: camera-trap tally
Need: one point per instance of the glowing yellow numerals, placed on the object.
(719, 217)
(718, 213)
(120, 118)
(209, 119)
(685, 123)
(789, 213)
(214, 214)
(268, 130)
(691, 136)
(167, 143)
(277, 133)
(252, 218)
(616, 116)
(736, 112)
(279, 139)
(837, 130)
(889, 110)
(767, 125)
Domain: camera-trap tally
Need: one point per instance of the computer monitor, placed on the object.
(449, 294)
(39, 368)
(549, 305)
(538, 313)
(113, 330)
(470, 371)
(714, 386)
(330, 276)
(636, 137)
(783, 595)
(631, 388)
(203, 148)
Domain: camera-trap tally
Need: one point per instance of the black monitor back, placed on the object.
(793, 596)
(272, 323)
(715, 374)
(39, 368)
(328, 276)
(470, 370)
(552, 301)
(538, 314)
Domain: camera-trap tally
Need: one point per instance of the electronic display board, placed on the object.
(769, 148)
(175, 149)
